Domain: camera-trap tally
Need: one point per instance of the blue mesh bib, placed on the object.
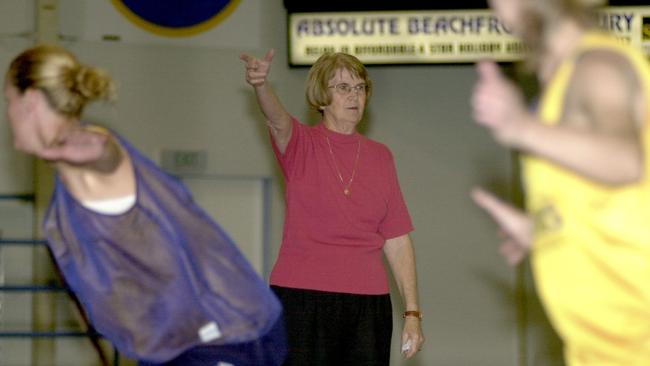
(162, 277)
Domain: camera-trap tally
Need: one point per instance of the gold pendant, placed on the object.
(346, 192)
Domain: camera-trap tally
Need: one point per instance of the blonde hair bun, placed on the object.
(92, 83)
(67, 84)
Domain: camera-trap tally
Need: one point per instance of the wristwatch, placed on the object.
(415, 313)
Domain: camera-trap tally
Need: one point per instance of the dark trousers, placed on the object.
(327, 328)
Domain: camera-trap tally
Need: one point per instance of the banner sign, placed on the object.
(431, 37)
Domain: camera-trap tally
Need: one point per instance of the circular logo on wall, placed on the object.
(176, 18)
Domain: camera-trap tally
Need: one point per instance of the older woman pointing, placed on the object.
(344, 211)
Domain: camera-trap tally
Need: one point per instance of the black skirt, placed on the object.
(329, 328)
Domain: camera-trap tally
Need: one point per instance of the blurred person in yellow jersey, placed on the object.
(585, 168)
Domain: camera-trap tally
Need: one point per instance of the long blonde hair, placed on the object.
(67, 84)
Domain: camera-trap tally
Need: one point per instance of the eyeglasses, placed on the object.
(345, 88)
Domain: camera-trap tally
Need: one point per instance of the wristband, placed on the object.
(415, 313)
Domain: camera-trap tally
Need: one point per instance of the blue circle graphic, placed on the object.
(176, 13)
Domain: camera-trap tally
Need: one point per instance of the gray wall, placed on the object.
(196, 98)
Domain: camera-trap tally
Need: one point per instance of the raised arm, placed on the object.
(278, 119)
(597, 136)
(86, 147)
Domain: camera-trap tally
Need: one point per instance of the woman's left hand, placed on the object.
(401, 258)
(412, 336)
(516, 227)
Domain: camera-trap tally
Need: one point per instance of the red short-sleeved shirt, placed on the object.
(333, 242)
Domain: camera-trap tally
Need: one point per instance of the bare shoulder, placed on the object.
(603, 69)
(607, 90)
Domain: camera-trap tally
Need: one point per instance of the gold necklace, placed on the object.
(346, 187)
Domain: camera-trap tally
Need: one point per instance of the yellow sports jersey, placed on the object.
(591, 253)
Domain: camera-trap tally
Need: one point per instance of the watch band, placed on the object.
(415, 313)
